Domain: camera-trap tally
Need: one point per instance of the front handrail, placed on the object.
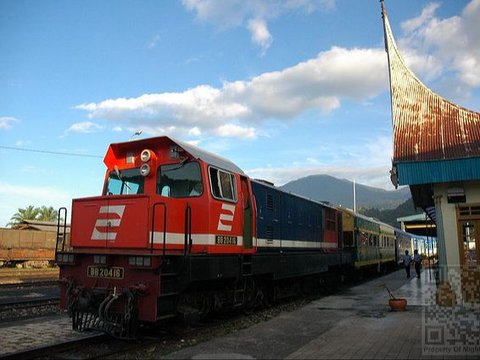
(164, 226)
(188, 229)
(59, 218)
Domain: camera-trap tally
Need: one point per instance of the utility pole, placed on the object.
(354, 198)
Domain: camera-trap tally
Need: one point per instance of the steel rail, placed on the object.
(28, 303)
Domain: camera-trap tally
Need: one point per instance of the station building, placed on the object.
(436, 152)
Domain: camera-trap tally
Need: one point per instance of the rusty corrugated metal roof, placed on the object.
(425, 125)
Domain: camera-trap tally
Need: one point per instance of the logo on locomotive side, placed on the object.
(104, 224)
(226, 217)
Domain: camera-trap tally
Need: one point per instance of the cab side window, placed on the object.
(223, 184)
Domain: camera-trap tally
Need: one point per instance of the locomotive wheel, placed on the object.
(250, 296)
(327, 284)
(195, 307)
(309, 286)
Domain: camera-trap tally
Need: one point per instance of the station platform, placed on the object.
(25, 335)
(358, 324)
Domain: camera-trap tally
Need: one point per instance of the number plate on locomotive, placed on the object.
(225, 240)
(105, 272)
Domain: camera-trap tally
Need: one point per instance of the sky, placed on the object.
(283, 88)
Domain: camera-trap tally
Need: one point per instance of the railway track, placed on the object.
(53, 350)
(28, 304)
(55, 339)
(30, 284)
(94, 346)
(27, 309)
(32, 297)
(98, 346)
(10, 276)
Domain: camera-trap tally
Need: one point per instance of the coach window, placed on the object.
(223, 184)
(180, 180)
(363, 239)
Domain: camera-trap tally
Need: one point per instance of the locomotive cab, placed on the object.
(170, 197)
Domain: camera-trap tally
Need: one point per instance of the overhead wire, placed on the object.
(49, 152)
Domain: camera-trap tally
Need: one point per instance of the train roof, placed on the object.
(357, 214)
(194, 151)
(269, 184)
(209, 157)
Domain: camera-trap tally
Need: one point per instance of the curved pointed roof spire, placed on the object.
(426, 126)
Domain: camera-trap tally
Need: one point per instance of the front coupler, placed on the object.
(114, 314)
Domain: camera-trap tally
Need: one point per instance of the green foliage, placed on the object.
(47, 214)
(390, 216)
(31, 212)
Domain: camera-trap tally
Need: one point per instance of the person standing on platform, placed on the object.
(407, 259)
(417, 259)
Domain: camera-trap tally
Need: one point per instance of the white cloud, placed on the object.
(195, 131)
(84, 127)
(231, 130)
(222, 13)
(252, 14)
(260, 34)
(369, 166)
(239, 108)
(233, 13)
(321, 83)
(21, 143)
(154, 42)
(427, 15)
(6, 122)
(435, 47)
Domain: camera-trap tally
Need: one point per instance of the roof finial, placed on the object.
(383, 8)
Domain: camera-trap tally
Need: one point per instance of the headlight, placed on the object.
(145, 155)
(144, 169)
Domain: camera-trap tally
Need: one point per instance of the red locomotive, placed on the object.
(179, 231)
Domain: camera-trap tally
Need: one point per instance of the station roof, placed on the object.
(434, 140)
(418, 224)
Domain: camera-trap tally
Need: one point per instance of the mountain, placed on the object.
(340, 192)
(390, 216)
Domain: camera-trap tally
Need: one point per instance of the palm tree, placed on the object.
(47, 214)
(28, 213)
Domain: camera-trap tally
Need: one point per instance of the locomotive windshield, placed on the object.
(180, 180)
(125, 182)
